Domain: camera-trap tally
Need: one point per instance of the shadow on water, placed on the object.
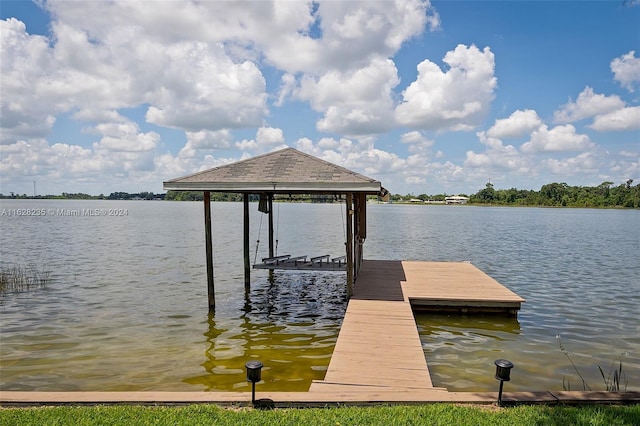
(289, 321)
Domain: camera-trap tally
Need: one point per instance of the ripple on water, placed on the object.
(126, 306)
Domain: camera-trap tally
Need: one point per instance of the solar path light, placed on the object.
(503, 370)
(254, 375)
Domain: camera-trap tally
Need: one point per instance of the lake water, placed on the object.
(126, 308)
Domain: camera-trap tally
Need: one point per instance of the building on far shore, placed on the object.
(456, 199)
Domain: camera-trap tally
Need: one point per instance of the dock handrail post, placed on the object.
(209, 250)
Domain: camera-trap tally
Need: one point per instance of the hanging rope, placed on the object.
(255, 257)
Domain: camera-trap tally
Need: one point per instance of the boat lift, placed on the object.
(318, 263)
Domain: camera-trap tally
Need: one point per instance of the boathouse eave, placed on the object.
(276, 187)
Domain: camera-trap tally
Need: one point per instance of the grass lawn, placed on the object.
(431, 414)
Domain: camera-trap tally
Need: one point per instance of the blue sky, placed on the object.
(432, 98)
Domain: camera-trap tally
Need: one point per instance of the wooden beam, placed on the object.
(270, 207)
(247, 261)
(349, 244)
(209, 250)
(362, 216)
(359, 229)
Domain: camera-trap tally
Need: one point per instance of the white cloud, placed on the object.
(497, 155)
(64, 164)
(269, 136)
(287, 85)
(353, 102)
(25, 61)
(348, 35)
(627, 167)
(622, 119)
(267, 139)
(294, 36)
(93, 71)
(205, 140)
(518, 124)
(587, 105)
(419, 145)
(558, 139)
(581, 164)
(198, 67)
(456, 99)
(626, 70)
(125, 137)
(207, 91)
(328, 143)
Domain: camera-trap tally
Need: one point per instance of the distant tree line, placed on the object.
(82, 196)
(199, 196)
(553, 194)
(563, 195)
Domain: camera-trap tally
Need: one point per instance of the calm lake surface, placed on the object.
(126, 308)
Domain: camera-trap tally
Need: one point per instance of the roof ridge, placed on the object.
(286, 170)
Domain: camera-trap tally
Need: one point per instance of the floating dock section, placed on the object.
(378, 347)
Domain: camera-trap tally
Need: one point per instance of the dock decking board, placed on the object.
(378, 347)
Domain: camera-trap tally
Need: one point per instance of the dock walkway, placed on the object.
(378, 347)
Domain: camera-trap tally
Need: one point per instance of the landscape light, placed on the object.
(503, 371)
(254, 375)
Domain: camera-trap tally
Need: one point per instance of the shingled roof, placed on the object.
(284, 171)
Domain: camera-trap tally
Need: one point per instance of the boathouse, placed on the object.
(286, 172)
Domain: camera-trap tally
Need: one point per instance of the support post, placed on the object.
(247, 265)
(349, 248)
(359, 230)
(209, 250)
(270, 207)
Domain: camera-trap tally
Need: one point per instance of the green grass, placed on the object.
(432, 414)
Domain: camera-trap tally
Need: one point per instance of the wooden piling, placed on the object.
(247, 261)
(209, 250)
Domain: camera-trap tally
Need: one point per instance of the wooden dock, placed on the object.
(378, 347)
(378, 357)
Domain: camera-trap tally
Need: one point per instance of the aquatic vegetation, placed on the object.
(16, 278)
(612, 380)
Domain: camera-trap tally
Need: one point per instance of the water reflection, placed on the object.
(126, 309)
(461, 349)
(289, 321)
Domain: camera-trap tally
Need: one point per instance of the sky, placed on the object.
(426, 97)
